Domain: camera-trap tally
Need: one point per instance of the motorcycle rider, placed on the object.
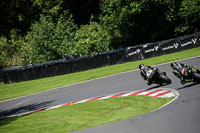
(181, 71)
(143, 71)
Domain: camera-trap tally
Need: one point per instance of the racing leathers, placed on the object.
(144, 72)
(181, 71)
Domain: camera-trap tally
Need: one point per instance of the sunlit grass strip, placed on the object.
(9, 91)
(83, 115)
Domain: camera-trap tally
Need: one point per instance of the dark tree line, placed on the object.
(34, 31)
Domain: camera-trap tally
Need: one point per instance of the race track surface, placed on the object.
(181, 116)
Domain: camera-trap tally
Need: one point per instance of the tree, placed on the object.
(91, 39)
(134, 22)
(12, 51)
(49, 40)
(189, 17)
(127, 21)
(17, 14)
(82, 10)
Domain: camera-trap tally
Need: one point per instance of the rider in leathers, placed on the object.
(180, 70)
(143, 72)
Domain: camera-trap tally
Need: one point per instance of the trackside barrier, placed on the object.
(73, 64)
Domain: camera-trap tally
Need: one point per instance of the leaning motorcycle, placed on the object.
(158, 76)
(190, 74)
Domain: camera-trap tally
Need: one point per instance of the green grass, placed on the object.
(14, 90)
(84, 115)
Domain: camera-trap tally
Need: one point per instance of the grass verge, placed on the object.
(84, 115)
(14, 90)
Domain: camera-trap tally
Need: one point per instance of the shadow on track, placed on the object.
(186, 86)
(27, 108)
(153, 87)
(156, 86)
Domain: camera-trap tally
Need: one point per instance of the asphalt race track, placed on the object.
(181, 116)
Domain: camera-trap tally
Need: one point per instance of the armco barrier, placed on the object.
(198, 37)
(72, 63)
(117, 57)
(151, 50)
(134, 53)
(169, 46)
(1, 75)
(187, 42)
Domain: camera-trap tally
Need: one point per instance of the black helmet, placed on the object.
(140, 66)
(172, 64)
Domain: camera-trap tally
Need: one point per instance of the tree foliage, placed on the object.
(133, 22)
(34, 31)
(189, 14)
(91, 39)
(12, 51)
(17, 14)
(49, 40)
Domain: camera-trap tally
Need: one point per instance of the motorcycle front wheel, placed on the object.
(196, 77)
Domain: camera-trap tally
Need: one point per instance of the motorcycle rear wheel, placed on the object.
(164, 79)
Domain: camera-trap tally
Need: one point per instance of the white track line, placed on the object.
(95, 79)
(152, 93)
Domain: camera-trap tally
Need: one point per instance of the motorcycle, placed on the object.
(190, 74)
(157, 76)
